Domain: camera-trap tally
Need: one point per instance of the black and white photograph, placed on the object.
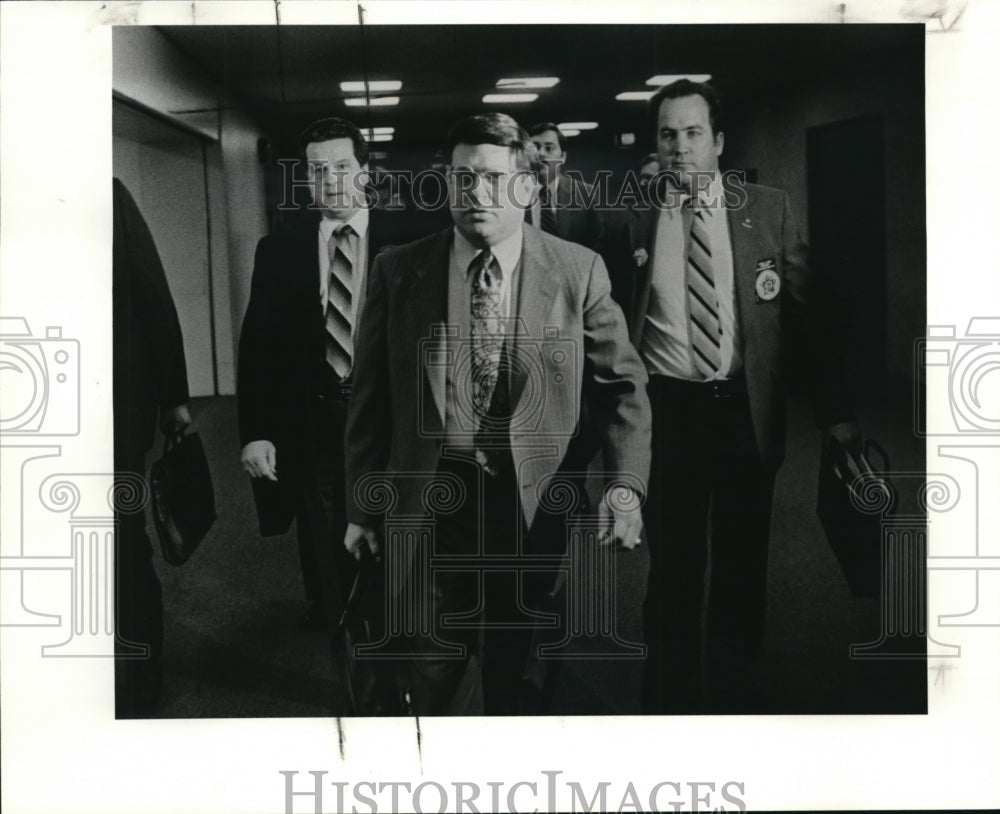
(432, 407)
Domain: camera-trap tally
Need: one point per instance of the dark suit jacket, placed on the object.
(148, 350)
(282, 360)
(576, 219)
(762, 230)
(572, 335)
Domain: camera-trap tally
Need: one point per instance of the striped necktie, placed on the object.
(703, 300)
(338, 301)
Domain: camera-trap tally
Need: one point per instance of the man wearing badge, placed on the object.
(718, 285)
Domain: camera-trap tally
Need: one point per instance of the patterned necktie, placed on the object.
(703, 300)
(338, 301)
(548, 215)
(487, 331)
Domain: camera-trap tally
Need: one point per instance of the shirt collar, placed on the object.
(358, 222)
(507, 252)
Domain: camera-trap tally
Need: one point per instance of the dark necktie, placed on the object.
(338, 301)
(548, 215)
(703, 300)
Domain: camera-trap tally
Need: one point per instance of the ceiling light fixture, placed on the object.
(564, 126)
(635, 95)
(508, 98)
(375, 101)
(528, 82)
(667, 78)
(374, 86)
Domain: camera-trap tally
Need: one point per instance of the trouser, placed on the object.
(485, 610)
(328, 570)
(709, 507)
(138, 603)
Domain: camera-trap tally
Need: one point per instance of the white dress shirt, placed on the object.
(666, 337)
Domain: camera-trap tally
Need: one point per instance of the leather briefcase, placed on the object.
(853, 501)
(183, 498)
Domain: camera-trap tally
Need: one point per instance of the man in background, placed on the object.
(567, 207)
(150, 389)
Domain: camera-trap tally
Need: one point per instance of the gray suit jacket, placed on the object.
(571, 342)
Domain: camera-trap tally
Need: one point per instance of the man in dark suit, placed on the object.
(719, 289)
(566, 207)
(296, 357)
(150, 388)
(478, 345)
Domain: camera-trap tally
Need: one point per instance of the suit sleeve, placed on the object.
(615, 381)
(150, 304)
(368, 435)
(810, 324)
(256, 374)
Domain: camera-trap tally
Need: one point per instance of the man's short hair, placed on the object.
(685, 87)
(541, 127)
(499, 129)
(331, 128)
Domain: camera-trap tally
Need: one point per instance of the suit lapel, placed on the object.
(427, 306)
(539, 279)
(641, 233)
(741, 237)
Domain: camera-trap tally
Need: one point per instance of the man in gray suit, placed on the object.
(479, 343)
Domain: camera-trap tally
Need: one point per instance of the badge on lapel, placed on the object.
(768, 283)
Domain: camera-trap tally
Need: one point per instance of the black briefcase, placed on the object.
(853, 501)
(375, 684)
(183, 498)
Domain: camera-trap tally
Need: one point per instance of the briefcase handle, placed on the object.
(871, 446)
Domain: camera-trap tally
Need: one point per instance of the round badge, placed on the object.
(768, 285)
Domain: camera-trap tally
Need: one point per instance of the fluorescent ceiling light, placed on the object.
(375, 86)
(375, 101)
(379, 131)
(508, 98)
(667, 78)
(635, 95)
(378, 136)
(564, 126)
(569, 131)
(529, 82)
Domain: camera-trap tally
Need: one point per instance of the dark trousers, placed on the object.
(328, 570)
(709, 509)
(138, 603)
(493, 606)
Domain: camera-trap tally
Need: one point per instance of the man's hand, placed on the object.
(846, 434)
(260, 460)
(174, 420)
(619, 515)
(356, 538)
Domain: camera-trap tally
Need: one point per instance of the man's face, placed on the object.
(337, 178)
(549, 151)
(646, 173)
(488, 193)
(684, 140)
